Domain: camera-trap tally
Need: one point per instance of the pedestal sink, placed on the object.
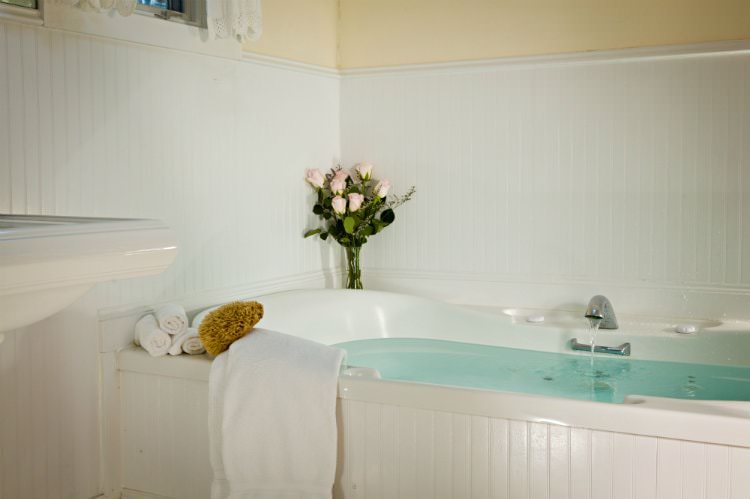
(46, 263)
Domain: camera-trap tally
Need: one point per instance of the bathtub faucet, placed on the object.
(601, 308)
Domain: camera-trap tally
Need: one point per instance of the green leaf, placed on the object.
(388, 216)
(327, 214)
(318, 209)
(324, 236)
(368, 230)
(349, 224)
(312, 232)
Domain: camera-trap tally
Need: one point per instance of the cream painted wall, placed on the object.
(367, 33)
(391, 32)
(303, 31)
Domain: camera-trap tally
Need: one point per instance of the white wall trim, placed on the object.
(10, 13)
(137, 494)
(564, 59)
(289, 64)
(721, 48)
(23, 15)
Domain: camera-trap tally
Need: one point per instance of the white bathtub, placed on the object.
(410, 440)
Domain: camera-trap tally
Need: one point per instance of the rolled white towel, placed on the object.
(188, 342)
(150, 337)
(177, 340)
(193, 345)
(172, 318)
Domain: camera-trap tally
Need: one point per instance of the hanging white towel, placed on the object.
(188, 342)
(239, 19)
(272, 418)
(150, 337)
(172, 318)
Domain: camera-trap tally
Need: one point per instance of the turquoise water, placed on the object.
(604, 379)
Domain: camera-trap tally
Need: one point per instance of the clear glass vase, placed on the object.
(353, 272)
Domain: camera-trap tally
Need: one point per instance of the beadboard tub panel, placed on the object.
(406, 453)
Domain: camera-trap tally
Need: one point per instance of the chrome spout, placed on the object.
(623, 349)
(601, 308)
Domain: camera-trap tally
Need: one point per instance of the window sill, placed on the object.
(22, 15)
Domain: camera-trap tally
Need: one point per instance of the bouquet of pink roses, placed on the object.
(353, 207)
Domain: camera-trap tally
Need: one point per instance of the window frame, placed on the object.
(195, 18)
(24, 15)
(12, 3)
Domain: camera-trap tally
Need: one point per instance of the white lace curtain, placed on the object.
(123, 7)
(238, 19)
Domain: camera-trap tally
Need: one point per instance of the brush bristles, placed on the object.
(229, 323)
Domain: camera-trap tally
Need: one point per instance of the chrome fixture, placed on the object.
(601, 308)
(601, 315)
(623, 349)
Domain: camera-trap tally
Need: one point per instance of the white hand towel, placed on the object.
(272, 418)
(188, 342)
(150, 337)
(172, 318)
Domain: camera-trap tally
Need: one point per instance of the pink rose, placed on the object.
(338, 185)
(364, 170)
(315, 177)
(382, 188)
(341, 174)
(339, 205)
(355, 201)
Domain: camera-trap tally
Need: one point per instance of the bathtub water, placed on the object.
(673, 385)
(469, 365)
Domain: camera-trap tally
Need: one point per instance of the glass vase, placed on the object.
(353, 272)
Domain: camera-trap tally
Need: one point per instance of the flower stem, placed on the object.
(354, 273)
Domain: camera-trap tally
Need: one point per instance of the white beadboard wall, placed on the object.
(393, 452)
(627, 173)
(213, 146)
(406, 453)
